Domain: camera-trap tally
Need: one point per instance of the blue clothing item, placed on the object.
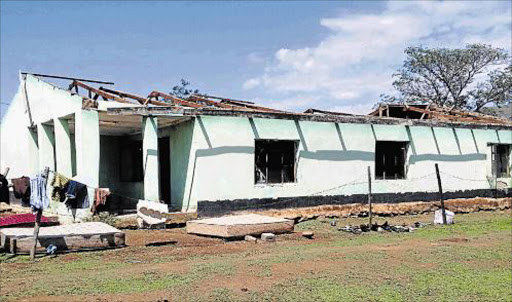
(38, 197)
(76, 195)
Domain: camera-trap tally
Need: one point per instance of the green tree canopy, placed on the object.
(182, 90)
(468, 78)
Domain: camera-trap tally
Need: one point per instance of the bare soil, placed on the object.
(214, 269)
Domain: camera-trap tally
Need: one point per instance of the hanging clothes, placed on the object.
(59, 184)
(22, 189)
(4, 189)
(38, 197)
(76, 195)
(100, 198)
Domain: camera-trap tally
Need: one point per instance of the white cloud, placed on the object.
(251, 83)
(354, 64)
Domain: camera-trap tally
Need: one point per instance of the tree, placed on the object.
(182, 91)
(448, 77)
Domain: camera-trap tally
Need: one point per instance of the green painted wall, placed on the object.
(180, 140)
(332, 158)
(212, 158)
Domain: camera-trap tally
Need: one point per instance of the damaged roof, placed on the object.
(435, 112)
(162, 103)
(158, 98)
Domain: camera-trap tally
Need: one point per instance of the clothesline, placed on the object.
(92, 187)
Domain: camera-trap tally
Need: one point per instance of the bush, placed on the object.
(104, 217)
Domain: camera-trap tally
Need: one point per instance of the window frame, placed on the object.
(405, 148)
(495, 161)
(294, 161)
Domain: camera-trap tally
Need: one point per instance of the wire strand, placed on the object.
(91, 187)
(462, 178)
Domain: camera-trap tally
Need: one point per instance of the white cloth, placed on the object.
(38, 197)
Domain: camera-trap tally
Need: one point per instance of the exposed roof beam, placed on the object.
(200, 98)
(240, 104)
(223, 99)
(66, 78)
(176, 100)
(101, 93)
(313, 110)
(124, 94)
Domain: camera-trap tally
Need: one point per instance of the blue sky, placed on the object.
(289, 55)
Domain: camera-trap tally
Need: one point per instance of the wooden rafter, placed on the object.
(175, 100)
(237, 104)
(124, 94)
(445, 116)
(200, 98)
(105, 95)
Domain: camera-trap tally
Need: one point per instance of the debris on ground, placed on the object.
(72, 237)
(237, 226)
(363, 228)
(308, 235)
(268, 237)
(161, 243)
(250, 238)
(26, 220)
(438, 217)
(51, 249)
(151, 214)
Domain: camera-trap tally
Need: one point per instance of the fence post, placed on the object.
(370, 194)
(38, 221)
(440, 193)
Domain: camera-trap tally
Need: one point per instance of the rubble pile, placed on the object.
(385, 227)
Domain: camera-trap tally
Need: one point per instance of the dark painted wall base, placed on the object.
(223, 207)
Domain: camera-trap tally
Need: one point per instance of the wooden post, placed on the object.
(441, 193)
(370, 195)
(38, 221)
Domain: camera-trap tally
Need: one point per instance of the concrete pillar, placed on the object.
(63, 147)
(46, 140)
(150, 158)
(87, 142)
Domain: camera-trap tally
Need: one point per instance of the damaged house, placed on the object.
(217, 155)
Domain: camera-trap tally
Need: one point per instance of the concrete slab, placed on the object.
(239, 226)
(72, 237)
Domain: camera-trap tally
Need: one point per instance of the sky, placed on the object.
(290, 55)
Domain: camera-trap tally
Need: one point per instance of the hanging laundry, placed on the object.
(38, 198)
(100, 198)
(22, 189)
(76, 195)
(4, 189)
(59, 184)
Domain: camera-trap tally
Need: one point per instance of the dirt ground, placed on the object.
(334, 266)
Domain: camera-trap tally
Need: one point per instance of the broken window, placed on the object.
(390, 159)
(275, 161)
(500, 158)
(131, 161)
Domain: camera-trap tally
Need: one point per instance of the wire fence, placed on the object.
(401, 186)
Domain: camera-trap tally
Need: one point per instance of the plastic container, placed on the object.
(438, 217)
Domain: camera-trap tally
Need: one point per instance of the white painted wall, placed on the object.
(47, 102)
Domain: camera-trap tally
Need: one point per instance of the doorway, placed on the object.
(164, 162)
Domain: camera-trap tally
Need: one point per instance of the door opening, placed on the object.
(164, 159)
